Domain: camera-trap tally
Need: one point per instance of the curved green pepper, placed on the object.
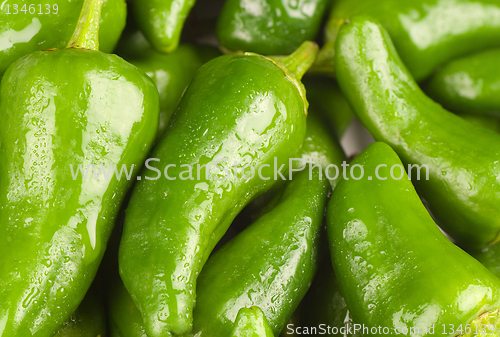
(251, 322)
(460, 180)
(324, 95)
(24, 32)
(239, 112)
(269, 27)
(270, 264)
(172, 74)
(161, 21)
(470, 84)
(399, 274)
(426, 33)
(124, 317)
(61, 109)
(89, 320)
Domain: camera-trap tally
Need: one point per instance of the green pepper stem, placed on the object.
(300, 60)
(86, 35)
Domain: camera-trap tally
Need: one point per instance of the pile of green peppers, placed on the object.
(178, 168)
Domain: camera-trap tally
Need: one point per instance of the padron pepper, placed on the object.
(64, 113)
(270, 264)
(251, 322)
(426, 33)
(269, 27)
(453, 163)
(125, 319)
(239, 113)
(470, 84)
(161, 21)
(29, 26)
(399, 274)
(171, 72)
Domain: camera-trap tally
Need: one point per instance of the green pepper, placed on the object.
(240, 112)
(251, 322)
(64, 114)
(125, 318)
(469, 84)
(172, 73)
(399, 274)
(324, 95)
(270, 264)
(269, 27)
(426, 33)
(161, 21)
(29, 30)
(460, 177)
(89, 320)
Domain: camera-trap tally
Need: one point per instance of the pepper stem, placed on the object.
(86, 35)
(300, 60)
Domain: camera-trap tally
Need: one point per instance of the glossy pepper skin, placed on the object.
(394, 266)
(426, 33)
(25, 33)
(74, 106)
(461, 158)
(269, 27)
(172, 73)
(161, 21)
(251, 322)
(270, 264)
(469, 84)
(239, 110)
(89, 320)
(324, 96)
